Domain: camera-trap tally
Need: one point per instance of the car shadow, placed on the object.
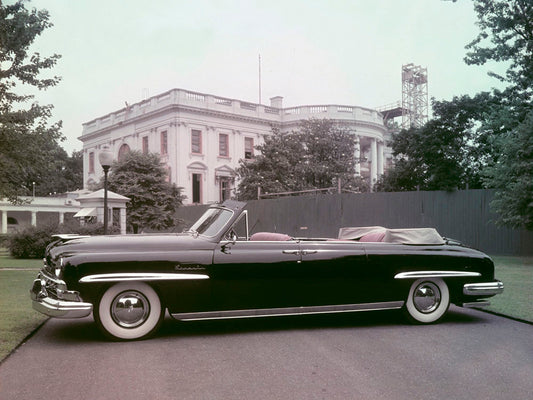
(85, 330)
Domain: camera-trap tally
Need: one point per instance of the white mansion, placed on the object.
(201, 137)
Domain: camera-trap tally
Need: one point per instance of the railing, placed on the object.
(180, 96)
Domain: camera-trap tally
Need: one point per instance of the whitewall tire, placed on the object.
(129, 311)
(428, 300)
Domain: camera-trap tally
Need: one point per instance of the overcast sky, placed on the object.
(347, 52)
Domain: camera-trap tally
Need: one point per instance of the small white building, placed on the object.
(81, 205)
(92, 207)
(201, 137)
(37, 211)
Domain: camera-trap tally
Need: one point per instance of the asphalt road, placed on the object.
(374, 355)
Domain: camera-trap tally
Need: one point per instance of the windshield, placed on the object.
(213, 220)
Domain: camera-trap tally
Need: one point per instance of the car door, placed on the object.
(336, 272)
(255, 274)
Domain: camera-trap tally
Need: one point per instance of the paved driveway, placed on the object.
(375, 355)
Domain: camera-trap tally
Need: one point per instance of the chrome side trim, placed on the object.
(435, 274)
(476, 304)
(120, 277)
(483, 289)
(272, 312)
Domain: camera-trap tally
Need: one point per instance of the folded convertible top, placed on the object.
(381, 234)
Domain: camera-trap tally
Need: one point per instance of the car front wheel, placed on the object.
(428, 300)
(129, 311)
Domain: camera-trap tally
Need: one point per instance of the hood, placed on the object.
(126, 243)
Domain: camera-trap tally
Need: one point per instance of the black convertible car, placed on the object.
(216, 270)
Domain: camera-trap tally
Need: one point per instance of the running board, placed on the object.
(277, 312)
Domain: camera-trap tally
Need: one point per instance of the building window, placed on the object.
(164, 143)
(91, 163)
(223, 145)
(196, 188)
(124, 149)
(225, 189)
(248, 148)
(145, 145)
(196, 141)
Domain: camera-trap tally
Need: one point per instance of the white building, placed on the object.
(42, 211)
(202, 137)
(37, 211)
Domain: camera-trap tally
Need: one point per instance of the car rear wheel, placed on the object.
(129, 311)
(428, 300)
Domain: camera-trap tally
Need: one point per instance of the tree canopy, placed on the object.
(29, 144)
(315, 156)
(506, 35)
(448, 152)
(484, 140)
(143, 179)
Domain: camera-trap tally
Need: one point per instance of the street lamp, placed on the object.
(106, 159)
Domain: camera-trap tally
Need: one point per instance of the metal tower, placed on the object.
(414, 96)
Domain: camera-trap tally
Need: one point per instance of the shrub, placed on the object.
(30, 242)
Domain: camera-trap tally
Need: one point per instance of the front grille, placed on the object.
(51, 284)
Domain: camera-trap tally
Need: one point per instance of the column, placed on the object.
(357, 156)
(61, 217)
(122, 221)
(100, 214)
(380, 158)
(4, 221)
(34, 218)
(374, 163)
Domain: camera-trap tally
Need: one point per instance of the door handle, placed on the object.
(295, 252)
(305, 252)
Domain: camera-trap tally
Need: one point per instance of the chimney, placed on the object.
(276, 102)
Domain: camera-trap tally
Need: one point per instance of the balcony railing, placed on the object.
(237, 107)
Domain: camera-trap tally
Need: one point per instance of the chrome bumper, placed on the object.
(50, 297)
(483, 289)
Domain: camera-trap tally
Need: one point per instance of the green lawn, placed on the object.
(18, 319)
(516, 301)
(6, 261)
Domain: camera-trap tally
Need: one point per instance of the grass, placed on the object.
(516, 273)
(6, 261)
(18, 319)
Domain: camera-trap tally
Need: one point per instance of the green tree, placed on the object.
(315, 156)
(65, 173)
(448, 152)
(143, 179)
(512, 176)
(27, 140)
(507, 36)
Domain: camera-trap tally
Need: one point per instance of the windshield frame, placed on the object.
(211, 216)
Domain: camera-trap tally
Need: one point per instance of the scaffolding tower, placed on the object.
(414, 96)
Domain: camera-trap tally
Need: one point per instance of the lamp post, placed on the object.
(106, 159)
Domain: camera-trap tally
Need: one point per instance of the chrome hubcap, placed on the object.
(130, 309)
(426, 297)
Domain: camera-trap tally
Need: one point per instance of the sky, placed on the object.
(347, 52)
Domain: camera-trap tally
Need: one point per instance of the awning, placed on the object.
(86, 212)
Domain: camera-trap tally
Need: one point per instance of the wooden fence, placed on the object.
(462, 215)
